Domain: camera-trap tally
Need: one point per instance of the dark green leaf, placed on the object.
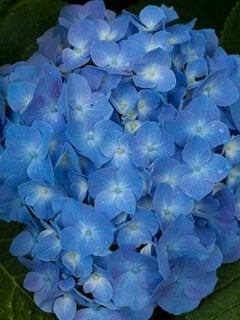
(23, 23)
(231, 32)
(224, 303)
(210, 13)
(15, 302)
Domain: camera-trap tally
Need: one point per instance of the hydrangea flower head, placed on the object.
(120, 152)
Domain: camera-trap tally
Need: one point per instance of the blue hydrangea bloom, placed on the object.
(169, 203)
(139, 230)
(207, 168)
(115, 191)
(154, 71)
(178, 241)
(120, 153)
(150, 143)
(80, 36)
(200, 118)
(186, 286)
(136, 275)
(84, 231)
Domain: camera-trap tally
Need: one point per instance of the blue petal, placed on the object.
(196, 152)
(65, 307)
(124, 98)
(81, 34)
(20, 95)
(126, 202)
(78, 91)
(72, 59)
(151, 17)
(41, 170)
(196, 186)
(217, 168)
(105, 204)
(104, 53)
(101, 180)
(22, 244)
(220, 88)
(22, 141)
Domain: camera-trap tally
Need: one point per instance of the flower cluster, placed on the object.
(120, 152)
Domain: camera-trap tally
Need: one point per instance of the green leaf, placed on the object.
(210, 13)
(230, 34)
(15, 302)
(224, 303)
(22, 24)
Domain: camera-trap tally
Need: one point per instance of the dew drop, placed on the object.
(221, 130)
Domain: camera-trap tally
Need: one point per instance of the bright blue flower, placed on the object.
(139, 230)
(115, 191)
(134, 274)
(178, 241)
(168, 171)
(115, 147)
(169, 203)
(114, 30)
(187, 285)
(154, 71)
(84, 105)
(39, 196)
(153, 41)
(85, 232)
(88, 162)
(124, 98)
(87, 138)
(116, 58)
(42, 280)
(148, 105)
(31, 146)
(149, 143)
(200, 118)
(80, 35)
(207, 168)
(220, 88)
